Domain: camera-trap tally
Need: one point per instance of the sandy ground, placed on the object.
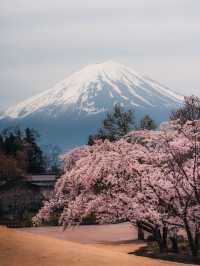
(52, 247)
(89, 234)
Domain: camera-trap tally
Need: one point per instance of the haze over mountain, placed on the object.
(66, 114)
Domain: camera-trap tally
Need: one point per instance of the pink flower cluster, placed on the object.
(148, 177)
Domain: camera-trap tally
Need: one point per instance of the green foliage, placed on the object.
(10, 169)
(116, 124)
(89, 219)
(91, 139)
(20, 153)
(147, 123)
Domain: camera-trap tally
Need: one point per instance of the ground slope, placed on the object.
(22, 248)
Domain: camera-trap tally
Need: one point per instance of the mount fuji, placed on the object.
(66, 114)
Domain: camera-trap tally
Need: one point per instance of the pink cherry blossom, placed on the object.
(150, 178)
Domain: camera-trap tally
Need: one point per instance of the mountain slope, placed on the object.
(80, 101)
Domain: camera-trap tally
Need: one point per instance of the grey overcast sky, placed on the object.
(41, 42)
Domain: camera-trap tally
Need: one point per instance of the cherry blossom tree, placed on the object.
(171, 181)
(148, 178)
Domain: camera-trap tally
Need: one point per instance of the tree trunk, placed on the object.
(174, 242)
(197, 239)
(159, 238)
(165, 233)
(140, 232)
(192, 243)
(161, 243)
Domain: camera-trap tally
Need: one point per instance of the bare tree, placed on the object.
(189, 111)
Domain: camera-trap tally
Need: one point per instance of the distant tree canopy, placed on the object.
(10, 169)
(20, 154)
(116, 124)
(189, 111)
(35, 158)
(147, 123)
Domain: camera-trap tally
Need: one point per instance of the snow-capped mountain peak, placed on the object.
(95, 89)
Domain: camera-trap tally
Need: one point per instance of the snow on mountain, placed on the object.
(95, 89)
(66, 114)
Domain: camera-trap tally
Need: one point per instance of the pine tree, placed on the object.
(91, 140)
(30, 136)
(36, 161)
(116, 124)
(147, 123)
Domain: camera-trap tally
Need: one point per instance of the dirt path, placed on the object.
(20, 248)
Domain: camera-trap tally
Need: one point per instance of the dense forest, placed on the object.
(20, 154)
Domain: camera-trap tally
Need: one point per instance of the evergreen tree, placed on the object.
(147, 123)
(19, 146)
(30, 136)
(36, 161)
(116, 124)
(91, 140)
(10, 169)
(9, 144)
